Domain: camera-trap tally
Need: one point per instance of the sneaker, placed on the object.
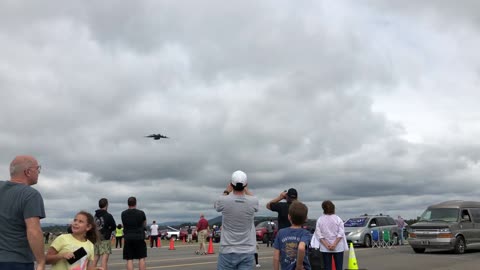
(258, 265)
(196, 252)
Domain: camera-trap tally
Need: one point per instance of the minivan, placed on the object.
(451, 225)
(358, 230)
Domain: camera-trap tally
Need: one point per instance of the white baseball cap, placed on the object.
(239, 177)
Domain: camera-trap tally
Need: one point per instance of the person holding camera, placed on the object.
(238, 239)
(282, 207)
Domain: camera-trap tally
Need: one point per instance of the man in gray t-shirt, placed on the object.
(21, 208)
(238, 239)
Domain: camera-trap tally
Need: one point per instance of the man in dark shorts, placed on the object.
(134, 222)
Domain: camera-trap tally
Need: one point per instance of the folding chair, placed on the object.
(387, 240)
(376, 242)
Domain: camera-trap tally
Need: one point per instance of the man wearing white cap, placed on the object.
(238, 239)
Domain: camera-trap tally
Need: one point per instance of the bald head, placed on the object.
(20, 169)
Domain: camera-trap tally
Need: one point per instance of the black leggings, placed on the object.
(153, 240)
(256, 258)
(118, 241)
(316, 259)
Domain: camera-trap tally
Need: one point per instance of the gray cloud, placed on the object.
(273, 89)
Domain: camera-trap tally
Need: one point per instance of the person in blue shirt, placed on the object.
(290, 244)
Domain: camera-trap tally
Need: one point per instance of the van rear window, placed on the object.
(355, 222)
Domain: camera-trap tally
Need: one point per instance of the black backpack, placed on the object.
(101, 227)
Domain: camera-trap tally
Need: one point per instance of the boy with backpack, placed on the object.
(105, 226)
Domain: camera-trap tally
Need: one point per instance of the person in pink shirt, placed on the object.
(331, 235)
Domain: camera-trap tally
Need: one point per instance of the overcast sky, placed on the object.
(370, 104)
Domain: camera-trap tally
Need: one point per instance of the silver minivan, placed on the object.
(358, 230)
(451, 225)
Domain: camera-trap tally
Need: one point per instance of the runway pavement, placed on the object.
(397, 258)
(184, 257)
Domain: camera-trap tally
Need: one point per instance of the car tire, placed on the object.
(459, 247)
(367, 241)
(419, 250)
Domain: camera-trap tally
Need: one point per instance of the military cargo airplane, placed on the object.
(157, 136)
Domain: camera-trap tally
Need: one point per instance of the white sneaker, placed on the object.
(258, 265)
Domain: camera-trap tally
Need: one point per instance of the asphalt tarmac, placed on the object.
(396, 258)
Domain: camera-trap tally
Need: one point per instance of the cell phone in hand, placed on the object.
(77, 255)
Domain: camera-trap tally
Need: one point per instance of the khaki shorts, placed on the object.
(202, 236)
(103, 247)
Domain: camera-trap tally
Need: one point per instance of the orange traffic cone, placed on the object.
(172, 244)
(159, 242)
(333, 264)
(210, 247)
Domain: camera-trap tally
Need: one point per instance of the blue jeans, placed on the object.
(16, 266)
(400, 241)
(337, 257)
(236, 261)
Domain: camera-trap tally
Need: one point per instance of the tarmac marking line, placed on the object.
(190, 264)
(177, 259)
(171, 259)
(180, 265)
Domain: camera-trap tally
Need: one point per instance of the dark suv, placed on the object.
(358, 230)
